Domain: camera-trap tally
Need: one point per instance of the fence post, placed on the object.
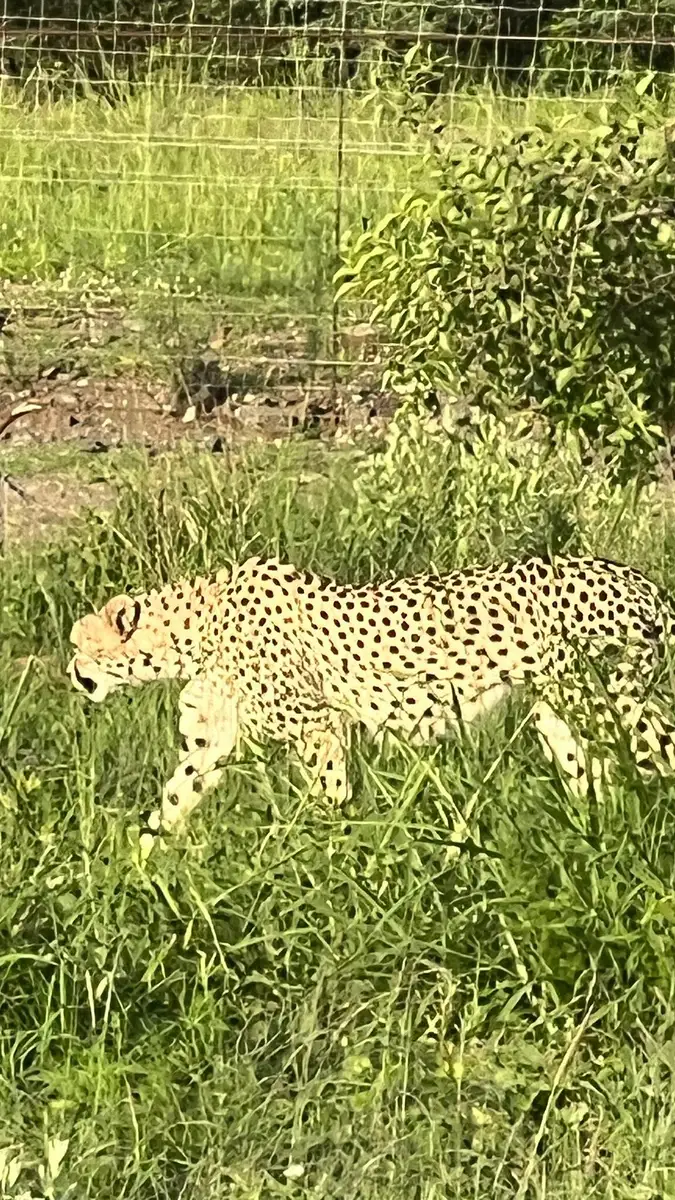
(339, 170)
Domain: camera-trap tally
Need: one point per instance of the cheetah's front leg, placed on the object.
(208, 723)
(559, 743)
(323, 751)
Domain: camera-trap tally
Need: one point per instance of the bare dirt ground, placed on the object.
(77, 395)
(103, 378)
(100, 414)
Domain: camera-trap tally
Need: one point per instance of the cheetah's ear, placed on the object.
(124, 613)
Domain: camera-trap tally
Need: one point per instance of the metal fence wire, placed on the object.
(204, 167)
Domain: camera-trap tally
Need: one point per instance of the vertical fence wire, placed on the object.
(339, 168)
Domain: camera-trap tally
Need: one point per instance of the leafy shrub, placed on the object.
(451, 494)
(570, 48)
(538, 271)
(601, 40)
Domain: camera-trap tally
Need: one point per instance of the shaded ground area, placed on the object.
(78, 384)
(108, 376)
(98, 414)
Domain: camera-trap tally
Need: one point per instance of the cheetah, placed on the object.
(271, 652)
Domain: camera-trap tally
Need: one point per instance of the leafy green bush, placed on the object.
(538, 271)
(570, 48)
(602, 40)
(482, 489)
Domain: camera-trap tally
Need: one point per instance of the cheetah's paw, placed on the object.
(150, 834)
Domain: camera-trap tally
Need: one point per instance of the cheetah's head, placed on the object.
(124, 643)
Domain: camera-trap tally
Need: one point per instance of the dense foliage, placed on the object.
(537, 271)
(569, 48)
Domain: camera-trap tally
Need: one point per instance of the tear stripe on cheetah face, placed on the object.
(286, 655)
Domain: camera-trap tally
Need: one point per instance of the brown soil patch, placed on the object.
(258, 388)
(62, 383)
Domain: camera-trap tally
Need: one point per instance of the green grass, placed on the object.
(131, 229)
(341, 996)
(180, 208)
(46, 460)
(186, 192)
(223, 197)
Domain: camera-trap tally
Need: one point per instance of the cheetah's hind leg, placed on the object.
(626, 702)
(652, 736)
(323, 750)
(208, 725)
(560, 745)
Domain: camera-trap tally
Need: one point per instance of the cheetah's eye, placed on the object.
(126, 622)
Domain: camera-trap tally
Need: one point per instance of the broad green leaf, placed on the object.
(564, 376)
(642, 84)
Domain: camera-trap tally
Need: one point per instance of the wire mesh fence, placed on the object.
(174, 178)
